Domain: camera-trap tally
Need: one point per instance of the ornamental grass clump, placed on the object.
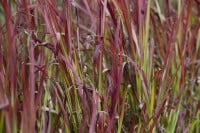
(100, 66)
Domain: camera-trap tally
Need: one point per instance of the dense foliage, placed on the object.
(100, 66)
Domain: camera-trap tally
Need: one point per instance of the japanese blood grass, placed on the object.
(99, 66)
